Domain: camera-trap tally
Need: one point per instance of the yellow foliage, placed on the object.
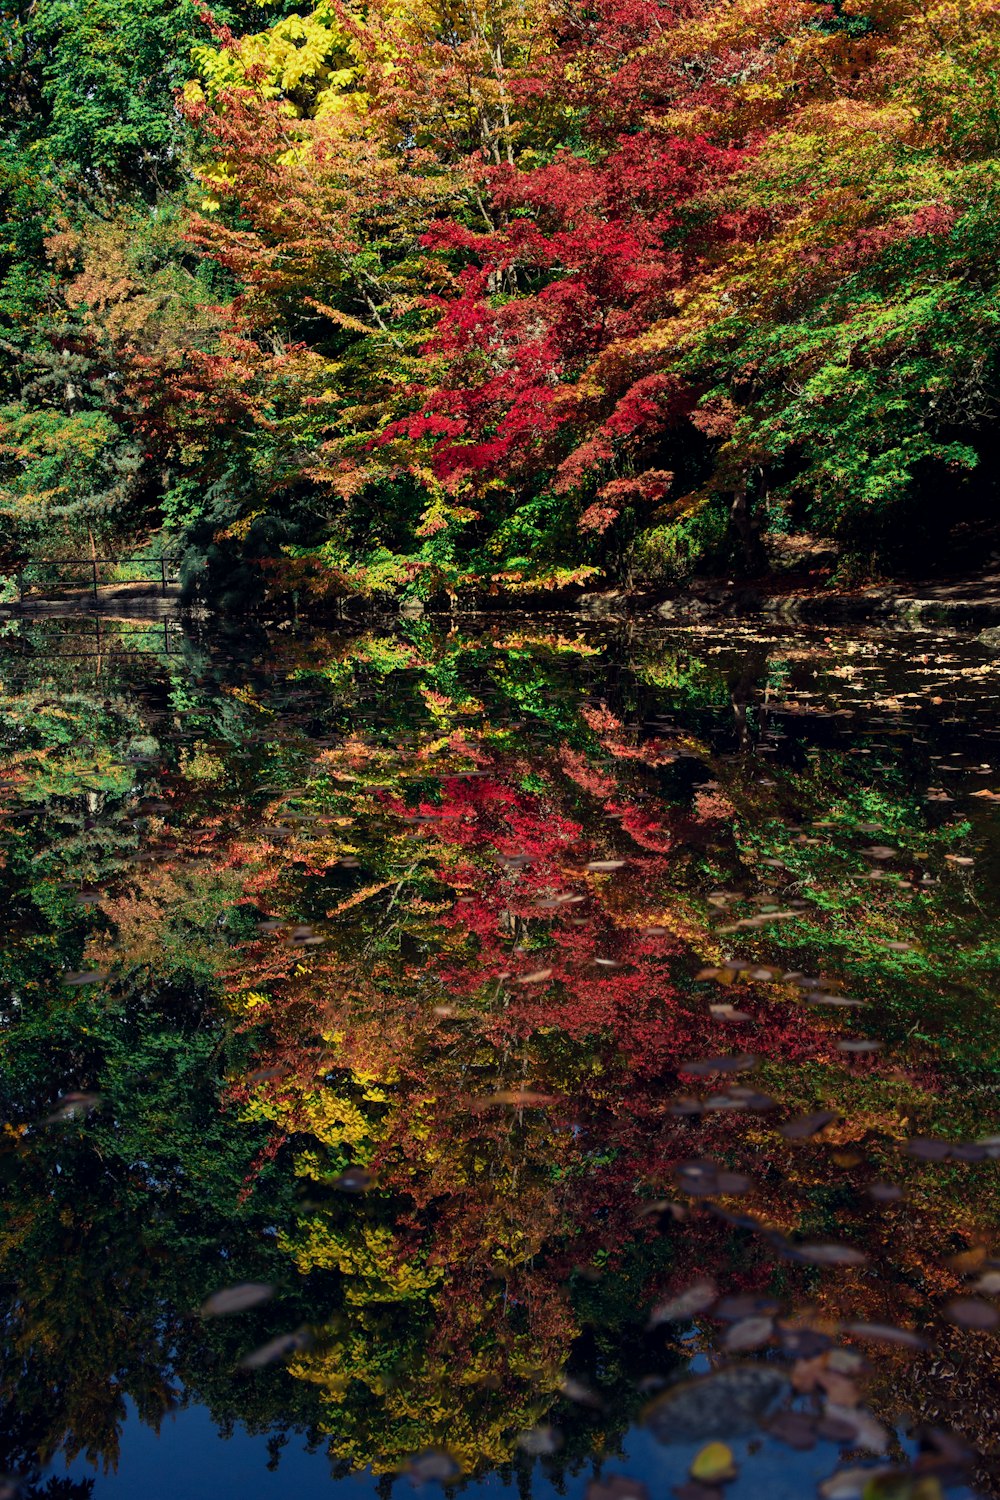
(367, 1255)
(311, 62)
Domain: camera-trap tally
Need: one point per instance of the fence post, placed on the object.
(93, 564)
(163, 574)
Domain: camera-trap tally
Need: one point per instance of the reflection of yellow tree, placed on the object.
(430, 1350)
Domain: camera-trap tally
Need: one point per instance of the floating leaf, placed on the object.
(971, 1312)
(886, 1333)
(236, 1299)
(862, 1430)
(73, 1107)
(540, 1442)
(828, 1255)
(727, 1012)
(804, 1127)
(433, 1466)
(702, 1067)
(750, 1333)
(925, 1149)
(276, 1349)
(703, 1179)
(684, 1305)
(714, 1464)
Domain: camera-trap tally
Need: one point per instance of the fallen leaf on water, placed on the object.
(750, 1333)
(684, 1305)
(703, 1179)
(540, 1442)
(737, 1096)
(970, 1312)
(828, 1255)
(803, 1127)
(885, 1192)
(575, 1390)
(886, 1333)
(746, 1305)
(728, 1012)
(849, 1484)
(714, 1464)
(865, 1431)
(73, 1107)
(234, 1299)
(424, 1468)
(702, 1066)
(926, 1149)
(275, 1349)
(901, 1484)
(836, 1002)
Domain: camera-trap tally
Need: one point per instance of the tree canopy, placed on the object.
(417, 295)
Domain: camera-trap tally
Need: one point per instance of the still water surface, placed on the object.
(517, 1058)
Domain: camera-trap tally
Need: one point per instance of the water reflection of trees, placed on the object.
(491, 876)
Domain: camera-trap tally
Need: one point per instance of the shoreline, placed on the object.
(971, 606)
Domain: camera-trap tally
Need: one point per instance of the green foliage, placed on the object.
(672, 552)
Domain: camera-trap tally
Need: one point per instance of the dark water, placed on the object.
(514, 1058)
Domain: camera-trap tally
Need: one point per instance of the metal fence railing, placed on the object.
(98, 640)
(163, 572)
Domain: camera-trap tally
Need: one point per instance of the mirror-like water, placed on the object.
(511, 1057)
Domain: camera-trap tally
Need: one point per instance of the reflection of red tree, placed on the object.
(529, 1055)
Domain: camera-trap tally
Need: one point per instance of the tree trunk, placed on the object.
(745, 530)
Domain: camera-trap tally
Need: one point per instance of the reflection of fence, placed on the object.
(88, 642)
(164, 575)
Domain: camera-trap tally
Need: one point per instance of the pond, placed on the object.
(499, 1057)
